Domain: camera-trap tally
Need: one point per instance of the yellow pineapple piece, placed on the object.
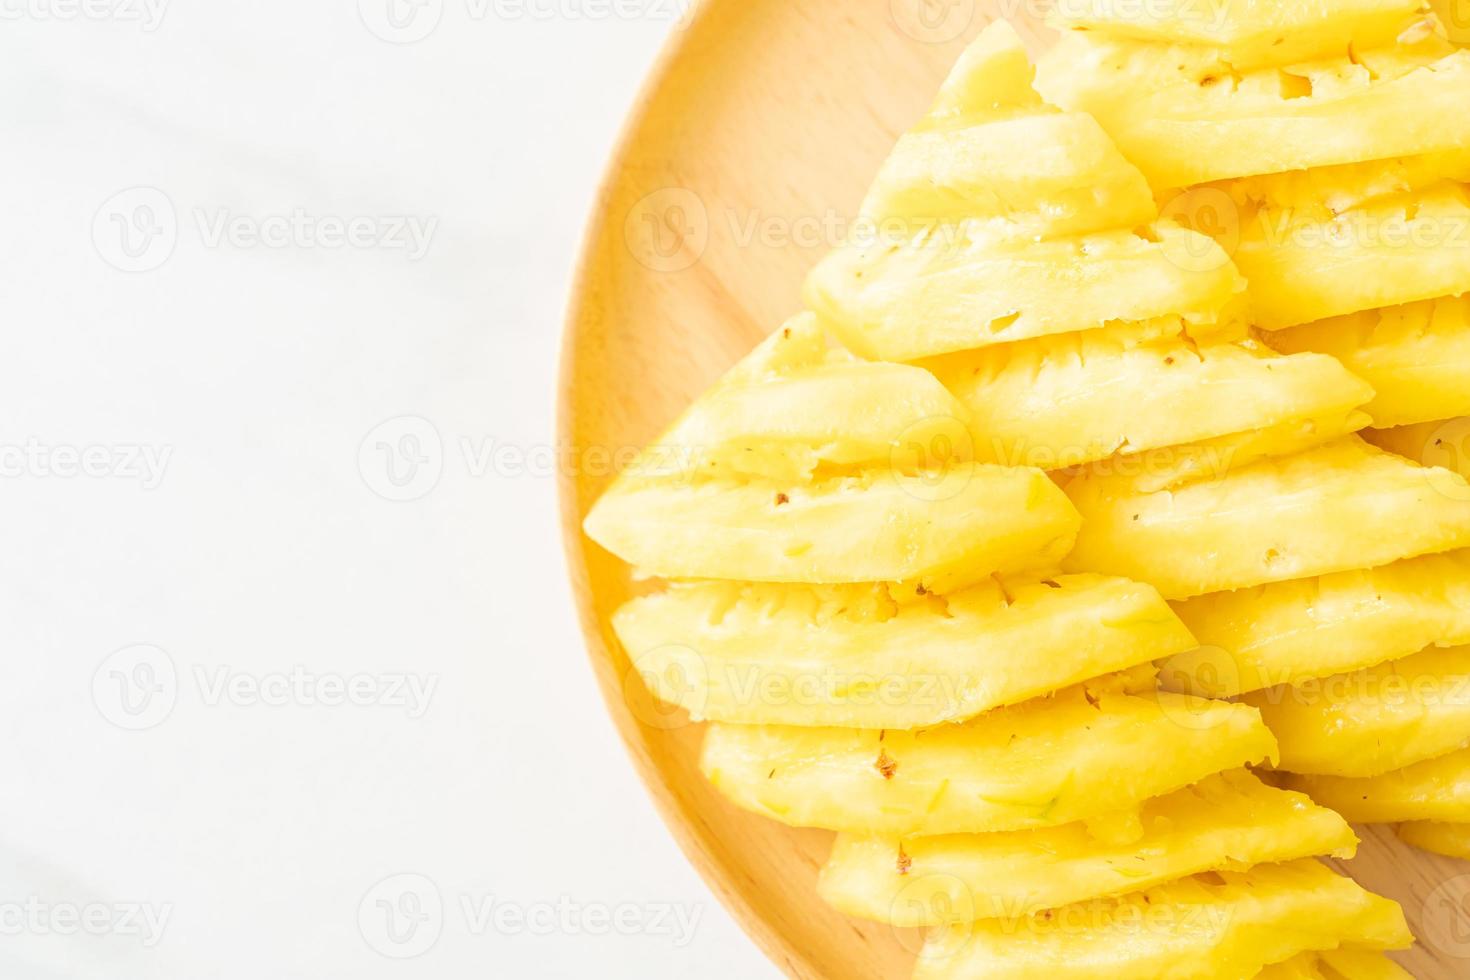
(992, 77)
(943, 532)
(1171, 466)
(1436, 789)
(1327, 191)
(1289, 632)
(957, 287)
(991, 150)
(797, 403)
(1048, 761)
(1305, 266)
(1062, 401)
(1416, 357)
(1449, 839)
(1220, 925)
(880, 656)
(1247, 33)
(1189, 115)
(1372, 721)
(1230, 821)
(1340, 506)
(1337, 964)
(1442, 443)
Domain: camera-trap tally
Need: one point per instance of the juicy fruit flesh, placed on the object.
(952, 288)
(970, 522)
(1046, 762)
(1442, 443)
(878, 656)
(1049, 174)
(1342, 506)
(1449, 839)
(1223, 924)
(1337, 964)
(1074, 399)
(1415, 357)
(1304, 267)
(1437, 789)
(1375, 720)
(1191, 116)
(1247, 33)
(1289, 632)
(1231, 821)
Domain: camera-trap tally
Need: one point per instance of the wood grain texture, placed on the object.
(750, 147)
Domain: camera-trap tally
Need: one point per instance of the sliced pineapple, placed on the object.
(1219, 925)
(1449, 839)
(880, 656)
(1046, 762)
(1247, 33)
(1171, 466)
(1289, 632)
(1340, 506)
(1305, 266)
(1189, 114)
(1416, 357)
(1231, 821)
(1372, 721)
(1337, 964)
(1437, 789)
(796, 404)
(944, 532)
(1445, 444)
(1328, 191)
(959, 287)
(990, 149)
(1062, 401)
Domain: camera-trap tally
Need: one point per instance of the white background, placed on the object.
(198, 536)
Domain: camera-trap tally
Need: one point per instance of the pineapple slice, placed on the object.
(1062, 401)
(1328, 191)
(990, 149)
(1191, 114)
(1444, 444)
(796, 403)
(1247, 33)
(943, 531)
(1449, 839)
(879, 656)
(1337, 964)
(1046, 762)
(1337, 507)
(1230, 821)
(1290, 632)
(1372, 721)
(1416, 357)
(1305, 266)
(1437, 789)
(956, 287)
(1220, 925)
(1171, 466)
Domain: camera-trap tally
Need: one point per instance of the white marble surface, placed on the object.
(248, 685)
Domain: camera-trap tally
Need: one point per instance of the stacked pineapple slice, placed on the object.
(864, 568)
(1326, 146)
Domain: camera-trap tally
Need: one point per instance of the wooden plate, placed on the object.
(751, 146)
